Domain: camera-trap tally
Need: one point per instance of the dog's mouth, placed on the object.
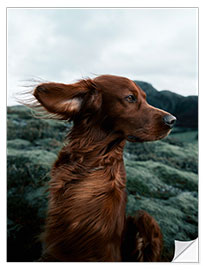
(132, 138)
(147, 137)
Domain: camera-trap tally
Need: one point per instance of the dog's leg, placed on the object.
(142, 240)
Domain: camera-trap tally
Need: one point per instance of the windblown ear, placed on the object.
(65, 100)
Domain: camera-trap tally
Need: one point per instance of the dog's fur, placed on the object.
(87, 199)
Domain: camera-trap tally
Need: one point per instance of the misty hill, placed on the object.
(184, 108)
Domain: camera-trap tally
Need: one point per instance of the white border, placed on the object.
(76, 3)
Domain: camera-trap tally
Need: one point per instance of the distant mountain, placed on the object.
(184, 108)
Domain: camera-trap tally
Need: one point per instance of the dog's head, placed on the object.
(115, 103)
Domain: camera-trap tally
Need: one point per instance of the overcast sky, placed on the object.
(159, 46)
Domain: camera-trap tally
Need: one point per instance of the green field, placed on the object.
(185, 135)
(162, 178)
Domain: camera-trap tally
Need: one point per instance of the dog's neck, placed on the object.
(96, 143)
(92, 146)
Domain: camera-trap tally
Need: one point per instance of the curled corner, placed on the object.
(186, 251)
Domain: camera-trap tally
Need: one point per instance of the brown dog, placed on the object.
(86, 214)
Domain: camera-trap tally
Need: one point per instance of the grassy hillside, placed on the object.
(162, 178)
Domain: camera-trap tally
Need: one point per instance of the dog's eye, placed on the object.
(131, 98)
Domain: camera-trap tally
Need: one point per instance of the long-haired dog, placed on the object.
(86, 218)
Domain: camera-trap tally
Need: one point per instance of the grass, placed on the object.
(162, 179)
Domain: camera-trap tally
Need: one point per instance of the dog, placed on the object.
(86, 220)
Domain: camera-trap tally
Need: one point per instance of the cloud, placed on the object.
(155, 45)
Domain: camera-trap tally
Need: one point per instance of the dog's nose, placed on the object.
(169, 120)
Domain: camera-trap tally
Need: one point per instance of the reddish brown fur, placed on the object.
(86, 214)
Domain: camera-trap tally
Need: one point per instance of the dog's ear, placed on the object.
(63, 101)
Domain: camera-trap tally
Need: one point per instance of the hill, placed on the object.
(162, 178)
